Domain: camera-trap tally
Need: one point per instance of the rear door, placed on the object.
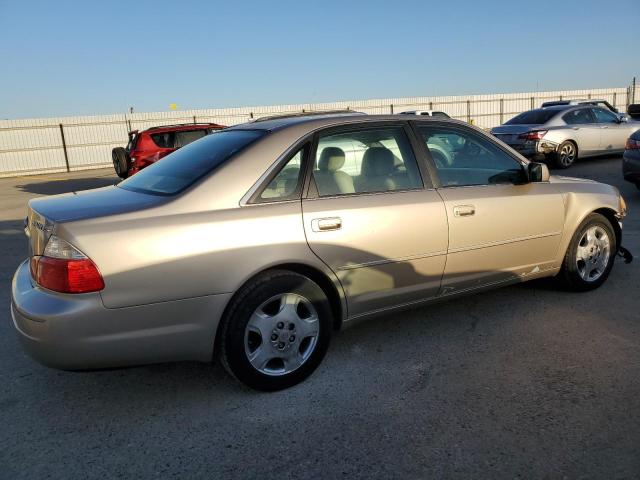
(369, 217)
(613, 133)
(500, 227)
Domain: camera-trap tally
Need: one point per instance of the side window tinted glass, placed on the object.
(465, 158)
(185, 138)
(365, 161)
(163, 140)
(576, 117)
(286, 184)
(604, 116)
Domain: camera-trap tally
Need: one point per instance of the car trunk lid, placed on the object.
(510, 134)
(44, 214)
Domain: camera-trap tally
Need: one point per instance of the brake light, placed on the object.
(65, 269)
(632, 144)
(535, 135)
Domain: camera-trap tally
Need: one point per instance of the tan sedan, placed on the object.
(256, 242)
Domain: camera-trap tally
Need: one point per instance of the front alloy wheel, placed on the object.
(590, 255)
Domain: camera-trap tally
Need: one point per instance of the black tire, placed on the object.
(120, 162)
(231, 334)
(566, 154)
(569, 276)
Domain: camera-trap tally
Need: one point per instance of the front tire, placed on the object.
(566, 154)
(590, 256)
(276, 331)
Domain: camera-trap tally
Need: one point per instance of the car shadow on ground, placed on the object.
(55, 187)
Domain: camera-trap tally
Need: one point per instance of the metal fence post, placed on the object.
(561, 97)
(430, 105)
(533, 102)
(64, 148)
(501, 111)
(614, 99)
(391, 108)
(194, 119)
(469, 111)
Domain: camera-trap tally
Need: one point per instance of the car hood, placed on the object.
(98, 202)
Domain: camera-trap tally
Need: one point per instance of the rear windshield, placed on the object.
(183, 167)
(533, 117)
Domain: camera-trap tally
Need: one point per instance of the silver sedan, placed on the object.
(565, 133)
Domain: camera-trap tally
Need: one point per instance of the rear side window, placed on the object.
(183, 138)
(532, 117)
(576, 117)
(183, 167)
(163, 140)
(365, 161)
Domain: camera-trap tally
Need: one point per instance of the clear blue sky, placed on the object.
(91, 57)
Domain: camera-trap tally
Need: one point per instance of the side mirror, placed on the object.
(622, 117)
(538, 172)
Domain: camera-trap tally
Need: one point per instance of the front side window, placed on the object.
(365, 161)
(285, 185)
(577, 117)
(604, 116)
(464, 158)
(185, 166)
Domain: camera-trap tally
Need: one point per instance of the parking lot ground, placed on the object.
(523, 381)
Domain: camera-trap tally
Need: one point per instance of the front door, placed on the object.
(500, 226)
(370, 218)
(613, 133)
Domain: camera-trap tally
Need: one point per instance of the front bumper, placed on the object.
(77, 332)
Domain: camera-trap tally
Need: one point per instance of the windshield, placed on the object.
(180, 169)
(533, 117)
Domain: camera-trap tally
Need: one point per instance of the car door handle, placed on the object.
(464, 210)
(326, 224)
(576, 128)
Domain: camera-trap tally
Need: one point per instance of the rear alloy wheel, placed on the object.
(566, 154)
(120, 162)
(590, 256)
(276, 331)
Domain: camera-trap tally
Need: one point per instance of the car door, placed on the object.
(583, 130)
(369, 217)
(500, 226)
(613, 132)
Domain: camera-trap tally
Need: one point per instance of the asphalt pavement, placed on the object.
(519, 382)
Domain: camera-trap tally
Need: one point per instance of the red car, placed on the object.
(149, 146)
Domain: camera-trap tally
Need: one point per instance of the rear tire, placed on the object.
(566, 154)
(120, 162)
(276, 331)
(590, 255)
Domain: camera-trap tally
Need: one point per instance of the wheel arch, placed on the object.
(328, 286)
(611, 215)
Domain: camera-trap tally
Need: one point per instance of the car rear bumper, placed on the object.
(76, 332)
(537, 150)
(631, 165)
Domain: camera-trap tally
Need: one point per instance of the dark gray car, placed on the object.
(631, 159)
(563, 133)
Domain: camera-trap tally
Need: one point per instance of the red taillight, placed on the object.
(632, 144)
(535, 135)
(63, 268)
(66, 276)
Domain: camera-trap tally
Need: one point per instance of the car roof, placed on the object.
(319, 121)
(182, 126)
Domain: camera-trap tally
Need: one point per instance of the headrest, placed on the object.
(378, 161)
(331, 159)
